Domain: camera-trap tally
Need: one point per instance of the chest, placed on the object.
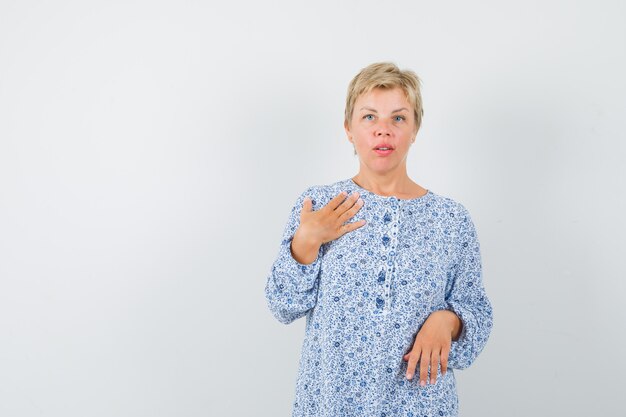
(400, 256)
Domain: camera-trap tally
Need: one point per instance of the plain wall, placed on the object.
(150, 152)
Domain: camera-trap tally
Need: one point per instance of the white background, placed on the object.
(150, 152)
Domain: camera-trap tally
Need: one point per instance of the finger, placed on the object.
(434, 366)
(347, 204)
(444, 360)
(348, 214)
(348, 227)
(424, 362)
(307, 205)
(413, 358)
(337, 200)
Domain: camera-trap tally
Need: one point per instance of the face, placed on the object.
(382, 117)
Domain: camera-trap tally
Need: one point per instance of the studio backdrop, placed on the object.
(150, 153)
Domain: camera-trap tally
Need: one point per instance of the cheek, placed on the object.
(407, 135)
(360, 133)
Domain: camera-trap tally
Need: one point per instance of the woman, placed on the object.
(388, 273)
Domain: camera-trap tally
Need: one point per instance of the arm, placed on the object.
(291, 288)
(467, 297)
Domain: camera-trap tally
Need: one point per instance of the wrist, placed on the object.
(305, 238)
(454, 323)
(304, 251)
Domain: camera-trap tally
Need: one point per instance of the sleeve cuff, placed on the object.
(460, 348)
(467, 318)
(304, 275)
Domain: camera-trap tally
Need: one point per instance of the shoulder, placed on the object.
(448, 204)
(456, 221)
(452, 210)
(321, 194)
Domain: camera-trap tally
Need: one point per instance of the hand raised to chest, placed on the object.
(324, 225)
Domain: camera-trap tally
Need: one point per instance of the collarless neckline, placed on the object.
(388, 197)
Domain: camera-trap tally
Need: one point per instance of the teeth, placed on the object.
(383, 149)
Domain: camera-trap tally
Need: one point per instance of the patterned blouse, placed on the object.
(366, 296)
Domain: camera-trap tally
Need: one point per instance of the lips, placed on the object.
(383, 145)
(383, 149)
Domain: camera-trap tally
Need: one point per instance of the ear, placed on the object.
(347, 129)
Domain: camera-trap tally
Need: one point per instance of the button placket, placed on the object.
(385, 260)
(392, 229)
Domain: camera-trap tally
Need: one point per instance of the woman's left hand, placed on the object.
(432, 345)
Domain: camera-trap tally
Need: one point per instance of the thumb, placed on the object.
(307, 205)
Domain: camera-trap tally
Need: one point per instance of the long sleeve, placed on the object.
(467, 297)
(291, 288)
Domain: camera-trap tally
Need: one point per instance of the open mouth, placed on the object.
(383, 151)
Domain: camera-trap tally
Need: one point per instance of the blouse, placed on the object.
(367, 294)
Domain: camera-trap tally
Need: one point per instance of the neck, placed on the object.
(385, 184)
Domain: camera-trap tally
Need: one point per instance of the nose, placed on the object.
(382, 128)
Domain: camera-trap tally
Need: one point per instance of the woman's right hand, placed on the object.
(324, 225)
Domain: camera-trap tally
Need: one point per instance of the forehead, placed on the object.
(382, 98)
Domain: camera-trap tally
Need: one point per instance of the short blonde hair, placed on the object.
(385, 75)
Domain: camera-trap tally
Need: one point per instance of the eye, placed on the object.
(400, 117)
(369, 117)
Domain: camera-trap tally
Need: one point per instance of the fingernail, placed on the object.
(432, 382)
(422, 383)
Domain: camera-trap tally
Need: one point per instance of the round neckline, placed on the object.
(389, 197)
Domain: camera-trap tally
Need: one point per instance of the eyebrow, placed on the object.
(372, 110)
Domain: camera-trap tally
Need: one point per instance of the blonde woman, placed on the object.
(387, 272)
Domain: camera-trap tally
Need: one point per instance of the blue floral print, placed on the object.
(366, 296)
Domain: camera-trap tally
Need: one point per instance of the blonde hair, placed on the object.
(385, 75)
